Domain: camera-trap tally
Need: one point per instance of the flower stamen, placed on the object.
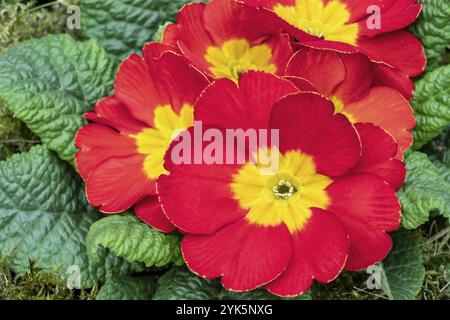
(284, 190)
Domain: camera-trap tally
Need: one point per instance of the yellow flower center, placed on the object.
(339, 107)
(155, 141)
(237, 56)
(328, 21)
(285, 196)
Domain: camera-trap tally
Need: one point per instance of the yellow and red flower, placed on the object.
(349, 81)
(323, 210)
(122, 152)
(224, 39)
(347, 26)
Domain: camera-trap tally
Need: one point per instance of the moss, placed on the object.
(436, 253)
(21, 21)
(37, 284)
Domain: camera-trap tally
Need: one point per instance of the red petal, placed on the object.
(182, 81)
(358, 8)
(98, 143)
(306, 62)
(247, 256)
(269, 3)
(110, 112)
(138, 87)
(154, 50)
(307, 122)
(388, 109)
(198, 198)
(190, 34)
(388, 77)
(169, 35)
(378, 150)
(339, 47)
(117, 184)
(225, 105)
(225, 20)
(149, 210)
(358, 77)
(346, 76)
(368, 208)
(399, 49)
(397, 15)
(302, 84)
(281, 52)
(320, 251)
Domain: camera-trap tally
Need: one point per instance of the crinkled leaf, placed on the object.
(424, 190)
(437, 146)
(49, 83)
(124, 26)
(45, 217)
(442, 162)
(128, 288)
(128, 237)
(431, 104)
(402, 272)
(181, 284)
(433, 29)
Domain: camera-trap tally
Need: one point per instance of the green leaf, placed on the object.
(443, 165)
(431, 104)
(128, 237)
(127, 288)
(181, 284)
(124, 26)
(44, 216)
(424, 191)
(433, 29)
(49, 83)
(402, 272)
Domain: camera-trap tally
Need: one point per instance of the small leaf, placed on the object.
(44, 217)
(431, 104)
(433, 29)
(128, 237)
(424, 191)
(181, 284)
(127, 288)
(124, 26)
(402, 272)
(159, 32)
(49, 83)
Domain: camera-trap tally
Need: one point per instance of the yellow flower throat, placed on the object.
(328, 21)
(286, 196)
(237, 56)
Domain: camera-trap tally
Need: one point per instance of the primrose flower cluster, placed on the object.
(334, 89)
